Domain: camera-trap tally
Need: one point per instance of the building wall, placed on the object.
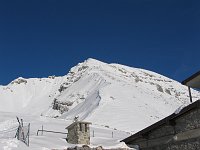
(72, 135)
(84, 135)
(79, 135)
(185, 130)
(190, 144)
(189, 121)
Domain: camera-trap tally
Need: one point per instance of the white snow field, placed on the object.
(115, 98)
(99, 135)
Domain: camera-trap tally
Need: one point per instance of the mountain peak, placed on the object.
(88, 63)
(93, 62)
(101, 93)
(19, 80)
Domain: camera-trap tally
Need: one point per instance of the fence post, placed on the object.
(112, 134)
(42, 129)
(17, 133)
(29, 133)
(22, 122)
(93, 133)
(23, 132)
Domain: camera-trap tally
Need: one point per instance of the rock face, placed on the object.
(111, 95)
(61, 106)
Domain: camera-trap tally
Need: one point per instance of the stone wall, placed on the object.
(72, 136)
(189, 121)
(84, 135)
(79, 133)
(190, 144)
(173, 135)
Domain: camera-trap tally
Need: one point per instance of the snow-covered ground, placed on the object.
(100, 135)
(114, 97)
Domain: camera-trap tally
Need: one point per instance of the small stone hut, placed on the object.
(79, 133)
(179, 131)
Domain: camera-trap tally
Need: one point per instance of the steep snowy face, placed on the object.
(112, 95)
(119, 96)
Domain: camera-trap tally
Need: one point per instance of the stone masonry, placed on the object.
(79, 133)
(183, 133)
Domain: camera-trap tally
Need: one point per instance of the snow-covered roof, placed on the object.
(167, 120)
(193, 81)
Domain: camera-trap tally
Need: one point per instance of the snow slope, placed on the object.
(113, 95)
(28, 95)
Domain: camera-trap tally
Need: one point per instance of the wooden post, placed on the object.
(22, 130)
(190, 94)
(28, 133)
(18, 120)
(93, 133)
(112, 134)
(42, 129)
(22, 122)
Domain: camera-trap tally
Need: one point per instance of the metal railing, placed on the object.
(50, 131)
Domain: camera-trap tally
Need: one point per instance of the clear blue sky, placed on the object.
(47, 37)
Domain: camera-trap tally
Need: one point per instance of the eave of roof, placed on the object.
(186, 81)
(166, 120)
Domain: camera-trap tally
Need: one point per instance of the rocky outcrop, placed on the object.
(61, 106)
(19, 81)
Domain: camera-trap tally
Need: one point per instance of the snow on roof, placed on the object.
(182, 111)
(76, 122)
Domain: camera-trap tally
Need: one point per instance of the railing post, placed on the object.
(42, 129)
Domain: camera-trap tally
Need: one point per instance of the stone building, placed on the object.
(79, 133)
(179, 131)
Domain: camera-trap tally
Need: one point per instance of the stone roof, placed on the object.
(76, 122)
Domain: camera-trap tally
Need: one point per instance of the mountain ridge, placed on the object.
(113, 95)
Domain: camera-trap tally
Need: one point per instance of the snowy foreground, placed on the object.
(100, 136)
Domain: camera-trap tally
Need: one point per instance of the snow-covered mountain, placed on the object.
(113, 95)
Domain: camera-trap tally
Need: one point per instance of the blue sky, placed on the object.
(39, 38)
